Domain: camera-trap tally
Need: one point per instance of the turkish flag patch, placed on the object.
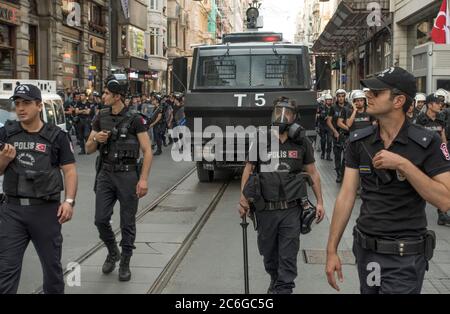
(144, 122)
(293, 154)
(41, 147)
(444, 151)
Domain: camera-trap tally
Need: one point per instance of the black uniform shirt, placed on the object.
(323, 111)
(138, 125)
(291, 156)
(362, 120)
(82, 106)
(436, 125)
(62, 149)
(395, 210)
(334, 113)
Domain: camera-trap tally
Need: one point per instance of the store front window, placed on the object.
(32, 56)
(95, 73)
(70, 64)
(6, 52)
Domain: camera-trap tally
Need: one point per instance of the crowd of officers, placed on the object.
(162, 112)
(346, 112)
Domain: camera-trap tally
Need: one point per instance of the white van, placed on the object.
(52, 103)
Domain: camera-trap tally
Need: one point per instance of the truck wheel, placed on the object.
(203, 174)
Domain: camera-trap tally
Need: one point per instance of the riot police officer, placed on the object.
(431, 120)
(356, 117)
(401, 167)
(419, 102)
(338, 134)
(31, 161)
(326, 140)
(278, 222)
(119, 135)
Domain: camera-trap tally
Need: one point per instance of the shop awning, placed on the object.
(348, 26)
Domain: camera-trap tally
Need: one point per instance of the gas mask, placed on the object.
(283, 116)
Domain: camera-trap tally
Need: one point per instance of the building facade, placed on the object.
(413, 47)
(156, 47)
(128, 42)
(358, 44)
(58, 40)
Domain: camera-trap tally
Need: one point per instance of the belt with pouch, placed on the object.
(281, 205)
(390, 247)
(25, 201)
(119, 167)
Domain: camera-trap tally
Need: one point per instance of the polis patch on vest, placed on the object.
(30, 146)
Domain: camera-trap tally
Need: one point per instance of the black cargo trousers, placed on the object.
(112, 187)
(389, 274)
(38, 223)
(279, 243)
(326, 141)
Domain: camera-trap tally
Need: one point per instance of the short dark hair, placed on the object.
(408, 99)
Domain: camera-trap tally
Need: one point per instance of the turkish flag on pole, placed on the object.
(441, 28)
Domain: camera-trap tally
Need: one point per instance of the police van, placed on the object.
(53, 107)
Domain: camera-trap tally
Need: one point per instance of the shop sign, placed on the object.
(97, 44)
(9, 14)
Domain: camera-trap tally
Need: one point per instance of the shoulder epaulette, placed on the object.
(420, 135)
(362, 133)
(12, 127)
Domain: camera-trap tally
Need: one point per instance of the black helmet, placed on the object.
(284, 114)
(117, 84)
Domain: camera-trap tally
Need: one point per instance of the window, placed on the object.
(387, 53)
(250, 70)
(6, 52)
(154, 4)
(32, 56)
(67, 5)
(95, 14)
(423, 32)
(7, 111)
(59, 111)
(154, 41)
(50, 112)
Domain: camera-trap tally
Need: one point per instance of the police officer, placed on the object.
(401, 167)
(338, 134)
(431, 120)
(356, 117)
(326, 140)
(82, 112)
(279, 222)
(31, 161)
(419, 102)
(157, 124)
(119, 134)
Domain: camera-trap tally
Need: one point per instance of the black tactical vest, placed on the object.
(280, 183)
(122, 147)
(31, 174)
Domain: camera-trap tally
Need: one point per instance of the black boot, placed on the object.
(322, 156)
(443, 218)
(124, 269)
(339, 177)
(329, 157)
(158, 151)
(113, 257)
